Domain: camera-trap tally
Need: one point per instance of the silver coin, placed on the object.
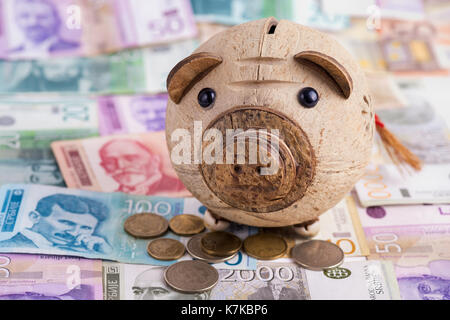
(194, 247)
(317, 255)
(191, 276)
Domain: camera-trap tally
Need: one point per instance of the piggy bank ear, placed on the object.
(188, 72)
(332, 67)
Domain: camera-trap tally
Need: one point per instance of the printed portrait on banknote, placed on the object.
(150, 285)
(430, 281)
(133, 163)
(136, 168)
(64, 222)
(132, 114)
(38, 28)
(149, 111)
(424, 287)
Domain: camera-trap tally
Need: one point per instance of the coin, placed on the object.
(186, 224)
(191, 276)
(317, 255)
(220, 243)
(194, 247)
(265, 246)
(146, 225)
(166, 249)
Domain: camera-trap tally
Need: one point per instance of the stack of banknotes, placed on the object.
(82, 118)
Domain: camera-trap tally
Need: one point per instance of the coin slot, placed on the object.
(272, 29)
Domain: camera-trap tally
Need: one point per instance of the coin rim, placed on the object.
(272, 257)
(146, 236)
(317, 268)
(190, 291)
(214, 259)
(233, 251)
(165, 259)
(186, 234)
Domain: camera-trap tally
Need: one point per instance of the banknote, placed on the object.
(429, 91)
(361, 280)
(132, 114)
(49, 28)
(423, 130)
(49, 277)
(240, 11)
(159, 61)
(60, 221)
(312, 14)
(142, 70)
(361, 40)
(29, 124)
(131, 163)
(384, 184)
(387, 9)
(408, 46)
(425, 282)
(339, 225)
(420, 127)
(408, 235)
(416, 239)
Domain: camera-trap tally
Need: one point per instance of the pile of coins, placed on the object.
(192, 276)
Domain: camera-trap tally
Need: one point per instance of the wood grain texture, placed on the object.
(188, 71)
(332, 67)
(259, 72)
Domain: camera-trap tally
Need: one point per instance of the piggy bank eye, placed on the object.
(206, 97)
(308, 97)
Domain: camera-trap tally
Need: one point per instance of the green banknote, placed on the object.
(129, 71)
(29, 124)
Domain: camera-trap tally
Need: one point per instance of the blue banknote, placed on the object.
(60, 221)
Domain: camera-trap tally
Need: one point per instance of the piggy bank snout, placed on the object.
(268, 162)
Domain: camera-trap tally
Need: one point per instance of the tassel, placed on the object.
(398, 153)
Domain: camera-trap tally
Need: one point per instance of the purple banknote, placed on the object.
(48, 277)
(132, 114)
(38, 29)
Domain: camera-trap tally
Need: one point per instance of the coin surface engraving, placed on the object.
(146, 225)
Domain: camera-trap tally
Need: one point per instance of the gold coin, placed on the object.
(146, 225)
(220, 243)
(186, 224)
(317, 255)
(265, 246)
(166, 249)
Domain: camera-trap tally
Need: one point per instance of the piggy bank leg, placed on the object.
(214, 223)
(308, 229)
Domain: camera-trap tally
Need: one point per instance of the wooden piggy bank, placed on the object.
(269, 124)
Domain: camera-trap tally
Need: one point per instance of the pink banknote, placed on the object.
(134, 163)
(46, 277)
